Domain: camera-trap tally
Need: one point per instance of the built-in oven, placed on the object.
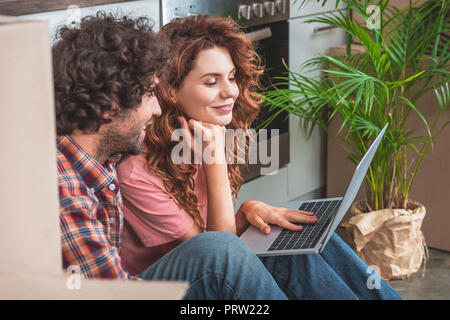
(266, 23)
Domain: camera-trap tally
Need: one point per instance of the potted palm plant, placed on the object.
(406, 56)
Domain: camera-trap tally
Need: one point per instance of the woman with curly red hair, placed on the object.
(211, 85)
(169, 199)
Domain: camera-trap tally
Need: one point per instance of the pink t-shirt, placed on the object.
(153, 218)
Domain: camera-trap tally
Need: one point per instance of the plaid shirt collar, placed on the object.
(95, 175)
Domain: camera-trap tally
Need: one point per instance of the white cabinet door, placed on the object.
(306, 170)
(269, 189)
(312, 7)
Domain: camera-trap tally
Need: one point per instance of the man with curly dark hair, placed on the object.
(106, 73)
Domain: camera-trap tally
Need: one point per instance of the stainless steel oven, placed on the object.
(266, 23)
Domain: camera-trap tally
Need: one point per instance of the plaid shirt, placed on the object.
(90, 212)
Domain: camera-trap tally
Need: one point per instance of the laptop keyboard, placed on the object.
(308, 237)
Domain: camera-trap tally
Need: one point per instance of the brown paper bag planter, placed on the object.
(390, 239)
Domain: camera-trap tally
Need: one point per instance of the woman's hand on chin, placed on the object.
(210, 136)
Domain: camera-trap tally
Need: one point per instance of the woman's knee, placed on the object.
(223, 244)
(216, 239)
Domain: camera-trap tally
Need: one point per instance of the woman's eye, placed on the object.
(210, 84)
(232, 79)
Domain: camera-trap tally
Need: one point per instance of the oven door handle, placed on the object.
(259, 34)
(320, 29)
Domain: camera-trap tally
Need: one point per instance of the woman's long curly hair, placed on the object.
(105, 65)
(188, 37)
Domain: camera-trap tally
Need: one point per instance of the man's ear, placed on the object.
(111, 114)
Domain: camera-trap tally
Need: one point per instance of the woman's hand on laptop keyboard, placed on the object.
(260, 215)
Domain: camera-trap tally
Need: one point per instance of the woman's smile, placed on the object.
(226, 108)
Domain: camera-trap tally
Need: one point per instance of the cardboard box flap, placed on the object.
(26, 287)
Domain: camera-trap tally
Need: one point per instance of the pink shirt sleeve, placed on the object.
(151, 211)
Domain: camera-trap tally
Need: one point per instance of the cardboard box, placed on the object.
(30, 248)
(28, 187)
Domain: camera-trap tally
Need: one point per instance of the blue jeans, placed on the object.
(218, 265)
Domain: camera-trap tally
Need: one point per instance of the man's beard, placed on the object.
(116, 142)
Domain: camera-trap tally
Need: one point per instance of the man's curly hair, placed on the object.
(107, 64)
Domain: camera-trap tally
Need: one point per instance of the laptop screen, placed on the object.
(355, 183)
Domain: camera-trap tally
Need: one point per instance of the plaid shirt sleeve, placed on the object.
(85, 243)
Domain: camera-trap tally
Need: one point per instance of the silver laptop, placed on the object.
(313, 237)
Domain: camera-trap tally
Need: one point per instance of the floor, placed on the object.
(434, 285)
